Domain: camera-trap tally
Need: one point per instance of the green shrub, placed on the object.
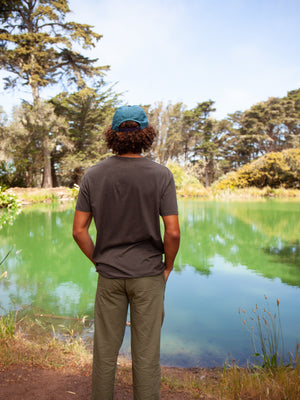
(186, 184)
(7, 200)
(273, 169)
(75, 191)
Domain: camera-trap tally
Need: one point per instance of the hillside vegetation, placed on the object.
(275, 169)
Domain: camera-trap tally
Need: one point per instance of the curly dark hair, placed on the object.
(131, 140)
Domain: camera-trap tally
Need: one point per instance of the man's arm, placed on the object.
(171, 241)
(81, 224)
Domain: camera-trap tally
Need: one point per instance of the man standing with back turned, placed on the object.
(126, 194)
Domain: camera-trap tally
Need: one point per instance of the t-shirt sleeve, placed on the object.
(83, 201)
(168, 202)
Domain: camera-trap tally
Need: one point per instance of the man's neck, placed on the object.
(130, 155)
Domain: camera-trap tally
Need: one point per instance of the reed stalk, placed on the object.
(265, 334)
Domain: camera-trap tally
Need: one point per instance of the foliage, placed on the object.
(7, 7)
(186, 184)
(7, 200)
(214, 148)
(75, 191)
(37, 49)
(170, 142)
(75, 141)
(273, 169)
(204, 132)
(87, 112)
(272, 125)
(37, 45)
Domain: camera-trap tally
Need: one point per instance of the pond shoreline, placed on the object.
(35, 371)
(67, 368)
(29, 196)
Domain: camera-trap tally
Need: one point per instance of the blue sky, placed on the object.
(235, 52)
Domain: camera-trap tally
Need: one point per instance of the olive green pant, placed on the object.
(146, 299)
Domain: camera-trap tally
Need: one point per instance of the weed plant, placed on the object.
(7, 325)
(4, 274)
(265, 336)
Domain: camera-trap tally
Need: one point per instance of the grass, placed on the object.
(42, 196)
(190, 191)
(278, 384)
(236, 383)
(19, 351)
(7, 325)
(32, 341)
(254, 193)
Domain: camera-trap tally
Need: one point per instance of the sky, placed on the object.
(234, 52)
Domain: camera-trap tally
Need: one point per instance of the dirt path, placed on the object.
(45, 384)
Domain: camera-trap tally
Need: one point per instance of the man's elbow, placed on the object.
(76, 233)
(173, 234)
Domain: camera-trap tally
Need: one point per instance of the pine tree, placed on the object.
(88, 112)
(37, 49)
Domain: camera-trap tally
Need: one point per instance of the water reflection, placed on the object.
(249, 234)
(49, 263)
(286, 253)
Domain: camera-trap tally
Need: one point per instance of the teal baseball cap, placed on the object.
(129, 113)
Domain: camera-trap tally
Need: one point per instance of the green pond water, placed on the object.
(232, 254)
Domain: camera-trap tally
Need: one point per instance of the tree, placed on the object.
(272, 125)
(177, 139)
(168, 122)
(37, 50)
(292, 120)
(7, 7)
(48, 130)
(204, 131)
(87, 112)
(159, 118)
(32, 127)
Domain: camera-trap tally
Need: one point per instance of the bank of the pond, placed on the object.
(40, 195)
(55, 370)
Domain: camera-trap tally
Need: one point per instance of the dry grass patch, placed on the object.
(18, 351)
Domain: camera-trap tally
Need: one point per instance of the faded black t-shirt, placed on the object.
(126, 196)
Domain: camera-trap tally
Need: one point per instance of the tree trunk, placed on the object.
(47, 176)
(207, 183)
(53, 173)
